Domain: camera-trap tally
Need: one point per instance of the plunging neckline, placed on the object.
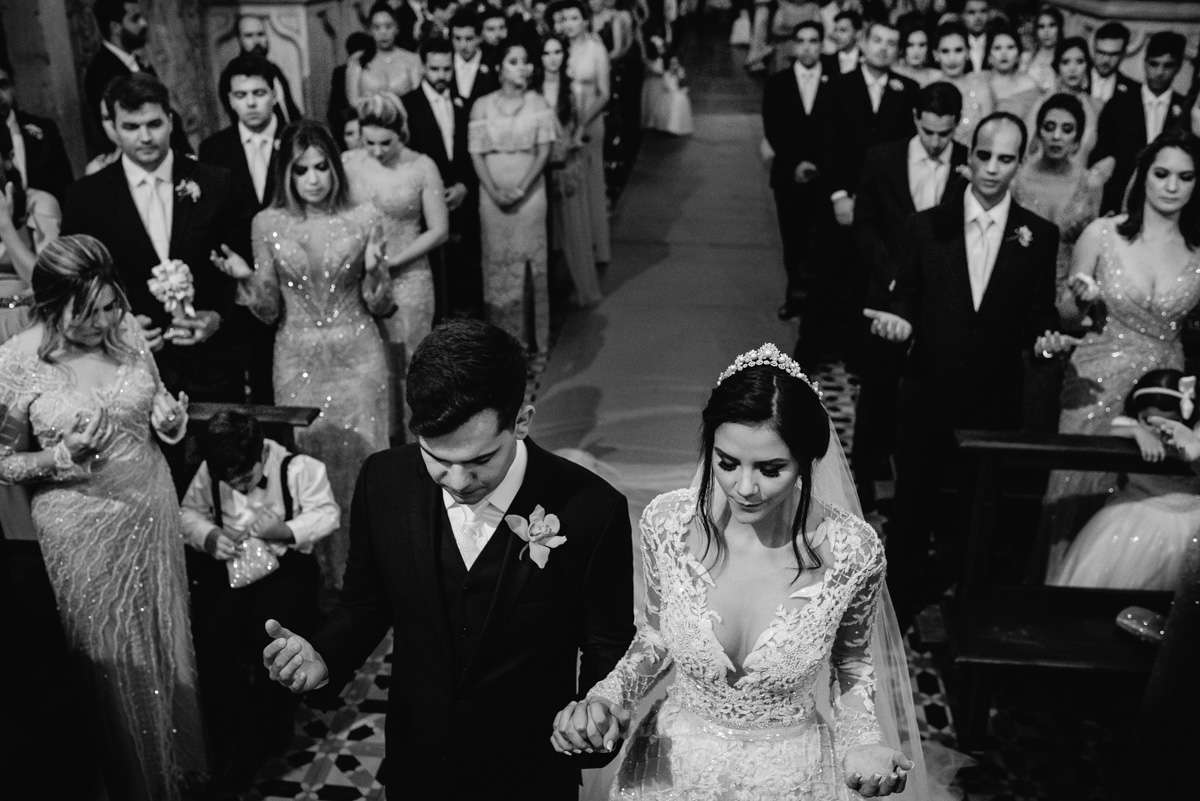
(781, 615)
(1146, 297)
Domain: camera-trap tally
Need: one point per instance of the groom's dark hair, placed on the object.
(462, 368)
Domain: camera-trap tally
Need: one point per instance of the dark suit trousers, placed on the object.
(798, 210)
(462, 273)
(875, 417)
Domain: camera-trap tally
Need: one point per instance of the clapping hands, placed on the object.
(874, 771)
(591, 725)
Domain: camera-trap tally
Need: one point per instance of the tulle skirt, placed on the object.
(666, 106)
(1136, 541)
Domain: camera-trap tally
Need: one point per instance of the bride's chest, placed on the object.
(126, 395)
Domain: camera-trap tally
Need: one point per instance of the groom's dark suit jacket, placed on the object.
(483, 660)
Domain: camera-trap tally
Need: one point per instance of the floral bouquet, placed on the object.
(171, 285)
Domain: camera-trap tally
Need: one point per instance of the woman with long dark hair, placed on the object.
(81, 404)
(1039, 60)
(384, 66)
(1073, 68)
(1142, 270)
(319, 272)
(762, 581)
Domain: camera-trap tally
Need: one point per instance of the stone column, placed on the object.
(179, 53)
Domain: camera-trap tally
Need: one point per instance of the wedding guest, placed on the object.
(384, 66)
(472, 77)
(666, 105)
(509, 138)
(847, 31)
(410, 17)
(975, 16)
(493, 34)
(1048, 32)
(571, 233)
(1143, 268)
(153, 205)
(38, 153)
(1012, 88)
(356, 43)
(1073, 65)
(916, 59)
(29, 219)
(1109, 44)
(951, 53)
(974, 291)
(348, 129)
(588, 66)
(437, 125)
(319, 271)
(438, 24)
(258, 510)
(252, 39)
(898, 180)
(247, 150)
(1131, 120)
(796, 117)
(83, 405)
(613, 24)
(407, 188)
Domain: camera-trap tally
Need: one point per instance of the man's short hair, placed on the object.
(435, 44)
(465, 18)
(107, 12)
(854, 18)
(809, 24)
(1166, 43)
(1002, 116)
(462, 368)
(941, 98)
(131, 92)
(248, 65)
(1113, 30)
(231, 444)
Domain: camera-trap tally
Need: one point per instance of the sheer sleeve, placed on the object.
(647, 658)
(855, 722)
(131, 331)
(260, 292)
(19, 464)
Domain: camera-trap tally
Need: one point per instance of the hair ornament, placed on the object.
(1186, 393)
(768, 355)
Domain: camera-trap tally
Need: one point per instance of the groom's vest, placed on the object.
(467, 596)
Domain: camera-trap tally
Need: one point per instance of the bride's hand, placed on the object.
(590, 725)
(874, 771)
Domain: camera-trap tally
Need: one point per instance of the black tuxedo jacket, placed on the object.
(103, 206)
(523, 669)
(425, 136)
(46, 164)
(794, 134)
(1122, 134)
(975, 357)
(224, 149)
(882, 209)
(856, 128)
(487, 80)
(103, 68)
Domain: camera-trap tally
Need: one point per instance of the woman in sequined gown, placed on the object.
(950, 51)
(509, 139)
(384, 66)
(81, 403)
(407, 188)
(1144, 267)
(316, 274)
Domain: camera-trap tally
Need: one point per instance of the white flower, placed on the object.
(1024, 236)
(895, 85)
(189, 189)
(33, 130)
(1176, 110)
(171, 285)
(540, 533)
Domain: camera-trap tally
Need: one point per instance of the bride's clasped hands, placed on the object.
(593, 724)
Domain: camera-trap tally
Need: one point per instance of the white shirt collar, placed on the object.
(847, 55)
(463, 63)
(504, 493)
(432, 94)
(136, 174)
(874, 82)
(917, 153)
(128, 59)
(1097, 78)
(973, 210)
(801, 70)
(1149, 98)
(267, 133)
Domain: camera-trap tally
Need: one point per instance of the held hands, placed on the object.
(292, 661)
(1052, 343)
(199, 328)
(1084, 288)
(874, 771)
(153, 335)
(586, 726)
(886, 325)
(168, 415)
(843, 210)
(376, 260)
(88, 436)
(1178, 436)
(231, 263)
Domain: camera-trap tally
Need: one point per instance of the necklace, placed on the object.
(500, 108)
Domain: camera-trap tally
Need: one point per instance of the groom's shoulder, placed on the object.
(393, 463)
(571, 478)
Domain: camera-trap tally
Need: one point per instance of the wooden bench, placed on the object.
(1003, 623)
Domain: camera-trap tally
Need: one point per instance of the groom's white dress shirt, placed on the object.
(475, 524)
(984, 232)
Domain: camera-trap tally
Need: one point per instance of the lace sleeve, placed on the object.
(855, 722)
(646, 659)
(18, 464)
(260, 292)
(479, 137)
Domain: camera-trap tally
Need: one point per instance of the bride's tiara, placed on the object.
(770, 356)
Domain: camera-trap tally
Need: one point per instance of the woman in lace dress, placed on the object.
(951, 54)
(384, 66)
(509, 140)
(80, 406)
(1073, 66)
(407, 187)
(756, 586)
(317, 273)
(1144, 268)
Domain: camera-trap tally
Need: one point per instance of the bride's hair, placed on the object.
(764, 395)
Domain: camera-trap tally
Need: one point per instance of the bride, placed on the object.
(763, 591)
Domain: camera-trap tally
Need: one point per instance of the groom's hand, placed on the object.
(292, 661)
(587, 726)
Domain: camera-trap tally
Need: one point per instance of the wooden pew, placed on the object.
(278, 422)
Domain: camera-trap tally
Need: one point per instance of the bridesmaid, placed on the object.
(570, 227)
(384, 66)
(1014, 91)
(915, 61)
(588, 67)
(951, 53)
(509, 139)
(1048, 33)
(406, 186)
(1073, 66)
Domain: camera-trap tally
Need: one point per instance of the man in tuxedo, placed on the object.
(1131, 120)
(847, 29)
(488, 628)
(975, 15)
(473, 77)
(412, 16)
(795, 111)
(1108, 51)
(38, 151)
(898, 180)
(252, 39)
(152, 205)
(437, 127)
(247, 149)
(974, 295)
(871, 105)
(493, 31)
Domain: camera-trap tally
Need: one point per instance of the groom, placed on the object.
(487, 628)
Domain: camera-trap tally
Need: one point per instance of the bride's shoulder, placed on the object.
(670, 513)
(852, 536)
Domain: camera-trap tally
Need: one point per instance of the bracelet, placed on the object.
(62, 457)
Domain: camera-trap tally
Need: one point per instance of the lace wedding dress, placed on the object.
(755, 731)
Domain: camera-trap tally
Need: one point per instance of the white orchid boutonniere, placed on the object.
(1176, 110)
(33, 130)
(895, 85)
(1024, 236)
(540, 533)
(189, 189)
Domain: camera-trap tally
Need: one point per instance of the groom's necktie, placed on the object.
(471, 530)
